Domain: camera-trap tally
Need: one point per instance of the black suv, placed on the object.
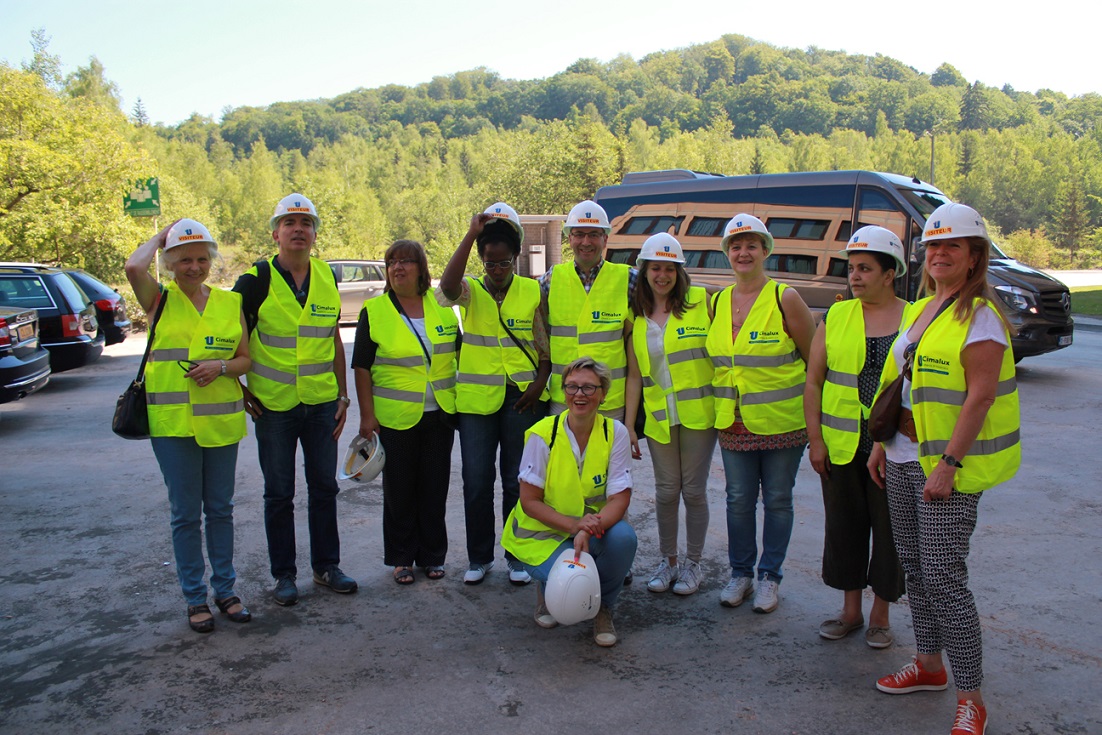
(114, 324)
(67, 324)
(24, 365)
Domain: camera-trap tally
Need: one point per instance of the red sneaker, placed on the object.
(971, 718)
(913, 678)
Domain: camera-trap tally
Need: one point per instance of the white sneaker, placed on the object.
(688, 579)
(604, 632)
(543, 616)
(477, 573)
(517, 574)
(737, 590)
(765, 600)
(663, 577)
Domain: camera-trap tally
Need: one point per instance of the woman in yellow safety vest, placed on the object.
(669, 367)
(847, 357)
(503, 370)
(954, 349)
(758, 342)
(195, 406)
(404, 366)
(575, 487)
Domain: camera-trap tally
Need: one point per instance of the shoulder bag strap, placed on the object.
(152, 327)
(508, 331)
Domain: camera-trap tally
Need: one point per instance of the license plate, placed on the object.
(1064, 341)
(25, 332)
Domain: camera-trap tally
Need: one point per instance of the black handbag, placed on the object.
(131, 420)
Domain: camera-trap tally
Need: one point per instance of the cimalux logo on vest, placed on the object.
(764, 338)
(219, 343)
(525, 324)
(936, 365)
(599, 480)
(323, 310)
(606, 317)
(691, 331)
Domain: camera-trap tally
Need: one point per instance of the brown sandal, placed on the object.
(404, 575)
(241, 616)
(203, 625)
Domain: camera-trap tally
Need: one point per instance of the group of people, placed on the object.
(550, 382)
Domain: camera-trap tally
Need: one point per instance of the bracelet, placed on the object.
(223, 367)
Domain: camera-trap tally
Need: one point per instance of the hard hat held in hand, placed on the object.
(501, 210)
(364, 459)
(186, 232)
(573, 590)
(954, 220)
(587, 214)
(663, 248)
(295, 204)
(741, 223)
(873, 238)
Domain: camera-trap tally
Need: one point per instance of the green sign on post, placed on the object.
(143, 199)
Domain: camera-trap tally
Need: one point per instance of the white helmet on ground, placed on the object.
(587, 214)
(186, 232)
(662, 247)
(364, 459)
(573, 591)
(873, 238)
(743, 222)
(295, 204)
(501, 210)
(954, 220)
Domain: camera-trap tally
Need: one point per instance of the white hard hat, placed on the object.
(954, 220)
(879, 240)
(573, 591)
(663, 248)
(295, 204)
(503, 211)
(364, 459)
(741, 223)
(186, 232)
(587, 214)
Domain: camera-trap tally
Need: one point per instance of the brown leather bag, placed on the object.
(888, 407)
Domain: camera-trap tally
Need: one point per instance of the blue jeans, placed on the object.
(772, 474)
(614, 553)
(479, 439)
(200, 482)
(278, 434)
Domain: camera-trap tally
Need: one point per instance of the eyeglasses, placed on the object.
(908, 359)
(490, 265)
(187, 365)
(587, 234)
(407, 262)
(585, 390)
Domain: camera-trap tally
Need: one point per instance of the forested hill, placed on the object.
(415, 162)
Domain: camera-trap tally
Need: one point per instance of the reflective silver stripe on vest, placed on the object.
(592, 338)
(557, 368)
(525, 343)
(407, 396)
(564, 332)
(950, 397)
(178, 353)
(772, 396)
(841, 424)
(723, 361)
(692, 394)
(167, 398)
(271, 373)
(936, 447)
(443, 383)
(695, 353)
(759, 361)
(648, 382)
(479, 340)
(619, 373)
(725, 391)
(849, 380)
(272, 341)
(527, 533)
(304, 331)
(317, 368)
(524, 377)
(591, 503)
(478, 379)
(217, 409)
(441, 348)
(415, 361)
(659, 415)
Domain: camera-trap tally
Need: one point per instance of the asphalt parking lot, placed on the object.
(94, 637)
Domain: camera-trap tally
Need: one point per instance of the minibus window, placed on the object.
(706, 227)
(798, 229)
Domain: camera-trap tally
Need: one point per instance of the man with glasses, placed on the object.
(586, 307)
(296, 393)
(503, 370)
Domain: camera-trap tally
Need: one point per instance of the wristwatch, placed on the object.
(951, 461)
(345, 400)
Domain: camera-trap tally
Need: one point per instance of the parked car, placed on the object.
(24, 364)
(114, 324)
(357, 280)
(67, 324)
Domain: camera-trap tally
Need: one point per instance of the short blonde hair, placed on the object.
(604, 375)
(170, 256)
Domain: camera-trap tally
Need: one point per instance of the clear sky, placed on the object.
(202, 56)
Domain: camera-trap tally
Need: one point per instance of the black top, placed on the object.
(254, 289)
(365, 348)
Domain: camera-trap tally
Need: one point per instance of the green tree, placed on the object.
(947, 75)
(90, 83)
(43, 64)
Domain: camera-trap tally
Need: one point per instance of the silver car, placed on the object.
(357, 280)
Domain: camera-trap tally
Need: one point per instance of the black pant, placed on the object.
(415, 491)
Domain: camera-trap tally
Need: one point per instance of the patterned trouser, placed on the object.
(932, 542)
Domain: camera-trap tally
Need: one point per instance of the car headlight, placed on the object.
(1018, 298)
